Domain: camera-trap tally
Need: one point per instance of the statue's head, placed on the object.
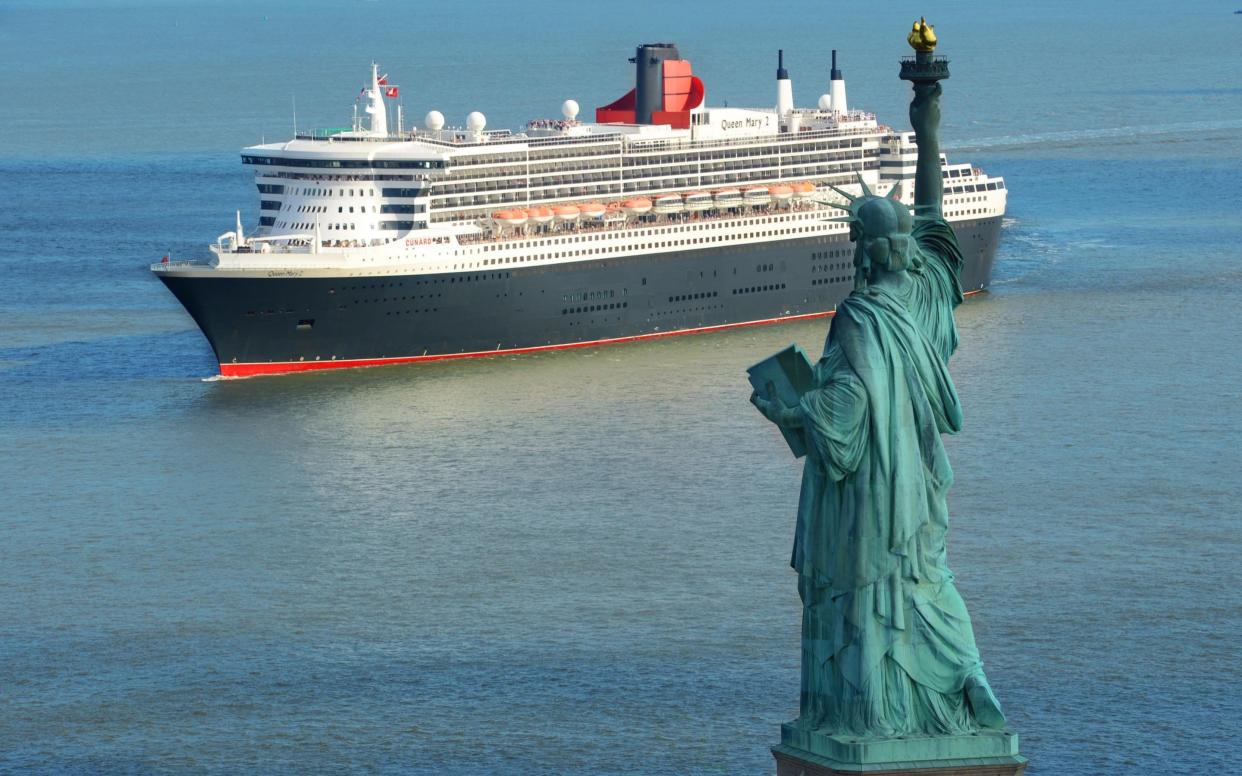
(880, 227)
(882, 230)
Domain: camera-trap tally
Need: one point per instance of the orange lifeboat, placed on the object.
(781, 192)
(510, 217)
(804, 189)
(592, 210)
(757, 195)
(637, 206)
(541, 215)
(696, 201)
(728, 198)
(667, 204)
(566, 213)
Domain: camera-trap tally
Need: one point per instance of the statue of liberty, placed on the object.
(887, 646)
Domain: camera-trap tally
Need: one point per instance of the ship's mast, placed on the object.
(375, 105)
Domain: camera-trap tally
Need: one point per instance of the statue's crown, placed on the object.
(872, 215)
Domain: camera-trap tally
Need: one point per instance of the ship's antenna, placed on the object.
(294, 99)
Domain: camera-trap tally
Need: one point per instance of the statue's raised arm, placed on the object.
(928, 178)
(925, 71)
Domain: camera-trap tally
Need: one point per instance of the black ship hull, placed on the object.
(282, 323)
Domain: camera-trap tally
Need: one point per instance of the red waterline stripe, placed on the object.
(287, 367)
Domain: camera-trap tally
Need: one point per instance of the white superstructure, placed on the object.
(372, 199)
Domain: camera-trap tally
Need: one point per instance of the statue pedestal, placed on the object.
(805, 752)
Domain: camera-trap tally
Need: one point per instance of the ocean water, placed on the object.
(575, 562)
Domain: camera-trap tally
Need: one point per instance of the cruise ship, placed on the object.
(380, 244)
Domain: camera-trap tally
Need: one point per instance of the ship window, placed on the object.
(401, 192)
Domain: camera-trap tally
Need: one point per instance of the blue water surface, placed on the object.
(575, 562)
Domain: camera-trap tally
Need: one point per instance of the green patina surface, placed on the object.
(890, 669)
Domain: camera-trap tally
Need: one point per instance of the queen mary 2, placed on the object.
(379, 244)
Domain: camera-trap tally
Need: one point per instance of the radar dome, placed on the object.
(476, 121)
(434, 120)
(825, 101)
(569, 109)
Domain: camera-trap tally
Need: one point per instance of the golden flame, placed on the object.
(923, 36)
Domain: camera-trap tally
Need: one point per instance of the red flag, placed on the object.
(383, 80)
(391, 91)
(164, 260)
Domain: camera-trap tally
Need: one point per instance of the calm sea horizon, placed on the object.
(577, 562)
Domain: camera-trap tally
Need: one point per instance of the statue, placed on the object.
(890, 669)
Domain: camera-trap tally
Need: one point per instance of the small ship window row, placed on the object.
(688, 297)
(588, 296)
(756, 289)
(967, 212)
(320, 177)
(993, 186)
(463, 279)
(397, 298)
(268, 188)
(594, 308)
(826, 281)
(285, 161)
(685, 310)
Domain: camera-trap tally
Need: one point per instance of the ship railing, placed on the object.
(335, 136)
(666, 143)
(505, 135)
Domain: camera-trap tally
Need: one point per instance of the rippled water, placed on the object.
(576, 562)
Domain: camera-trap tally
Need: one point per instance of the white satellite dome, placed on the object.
(476, 121)
(434, 120)
(825, 101)
(569, 109)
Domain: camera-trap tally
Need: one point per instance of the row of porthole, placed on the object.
(828, 267)
(398, 299)
(413, 312)
(688, 297)
(825, 281)
(594, 308)
(463, 279)
(755, 289)
(829, 254)
(664, 313)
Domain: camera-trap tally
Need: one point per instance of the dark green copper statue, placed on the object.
(890, 670)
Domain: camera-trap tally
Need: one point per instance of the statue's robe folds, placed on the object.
(888, 647)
